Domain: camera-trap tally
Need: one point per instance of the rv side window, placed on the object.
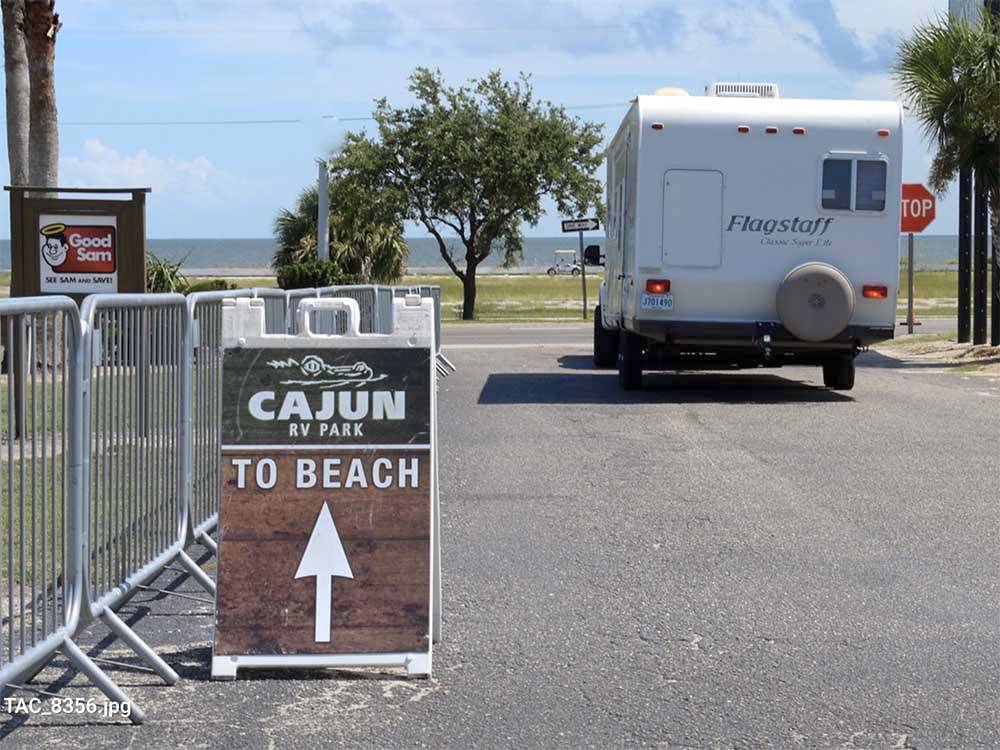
(871, 186)
(837, 184)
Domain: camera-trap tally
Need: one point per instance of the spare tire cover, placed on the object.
(815, 301)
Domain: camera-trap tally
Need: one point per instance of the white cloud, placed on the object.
(99, 165)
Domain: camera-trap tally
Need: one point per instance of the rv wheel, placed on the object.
(838, 374)
(629, 361)
(605, 342)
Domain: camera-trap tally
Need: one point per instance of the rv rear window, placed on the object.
(837, 184)
(871, 186)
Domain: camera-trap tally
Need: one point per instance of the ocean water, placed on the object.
(253, 256)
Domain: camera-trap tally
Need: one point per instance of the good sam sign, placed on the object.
(325, 515)
(79, 254)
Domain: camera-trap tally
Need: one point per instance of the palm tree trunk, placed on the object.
(15, 64)
(43, 152)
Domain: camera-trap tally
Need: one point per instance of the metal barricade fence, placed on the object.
(39, 474)
(275, 309)
(111, 464)
(366, 297)
(136, 415)
(294, 296)
(205, 312)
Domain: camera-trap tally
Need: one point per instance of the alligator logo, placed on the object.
(327, 376)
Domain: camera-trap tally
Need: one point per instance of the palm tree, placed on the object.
(15, 63)
(948, 74)
(362, 248)
(295, 230)
(41, 27)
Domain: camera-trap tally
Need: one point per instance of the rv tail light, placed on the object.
(657, 286)
(657, 126)
(743, 129)
(875, 291)
(771, 129)
(883, 133)
(799, 131)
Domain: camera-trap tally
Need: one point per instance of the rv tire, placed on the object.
(838, 374)
(629, 361)
(605, 342)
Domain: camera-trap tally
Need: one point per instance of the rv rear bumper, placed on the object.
(751, 336)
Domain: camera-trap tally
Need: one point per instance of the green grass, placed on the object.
(546, 298)
(540, 297)
(918, 339)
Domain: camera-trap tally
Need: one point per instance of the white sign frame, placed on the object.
(243, 325)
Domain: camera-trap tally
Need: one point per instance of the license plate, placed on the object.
(657, 301)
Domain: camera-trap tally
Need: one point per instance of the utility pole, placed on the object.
(323, 215)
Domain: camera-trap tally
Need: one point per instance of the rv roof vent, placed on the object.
(752, 90)
(670, 91)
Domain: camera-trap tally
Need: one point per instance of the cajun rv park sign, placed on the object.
(325, 523)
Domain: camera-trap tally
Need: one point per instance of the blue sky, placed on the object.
(318, 63)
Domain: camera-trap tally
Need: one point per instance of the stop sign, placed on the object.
(918, 208)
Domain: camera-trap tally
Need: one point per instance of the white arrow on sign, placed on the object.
(580, 225)
(324, 558)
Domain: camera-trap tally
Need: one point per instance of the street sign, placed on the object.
(326, 514)
(580, 225)
(918, 208)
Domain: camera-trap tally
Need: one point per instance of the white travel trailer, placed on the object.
(748, 230)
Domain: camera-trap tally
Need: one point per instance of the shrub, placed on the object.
(212, 285)
(314, 272)
(164, 275)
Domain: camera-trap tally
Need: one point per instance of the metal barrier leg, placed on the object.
(196, 572)
(134, 642)
(101, 680)
(207, 542)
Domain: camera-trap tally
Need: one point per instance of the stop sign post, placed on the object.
(918, 211)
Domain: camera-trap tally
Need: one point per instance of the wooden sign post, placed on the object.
(325, 525)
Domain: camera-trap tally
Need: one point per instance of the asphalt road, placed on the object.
(739, 560)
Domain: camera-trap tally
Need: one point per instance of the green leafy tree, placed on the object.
(948, 73)
(472, 163)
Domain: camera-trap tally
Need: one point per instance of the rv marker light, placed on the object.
(771, 129)
(658, 286)
(875, 291)
(743, 128)
(657, 126)
(799, 131)
(883, 133)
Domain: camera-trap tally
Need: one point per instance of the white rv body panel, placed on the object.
(725, 215)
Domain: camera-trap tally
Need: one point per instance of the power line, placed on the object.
(193, 31)
(281, 121)
(181, 122)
